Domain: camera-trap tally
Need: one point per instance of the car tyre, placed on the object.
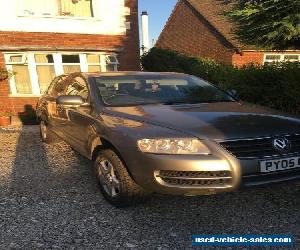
(116, 185)
(47, 135)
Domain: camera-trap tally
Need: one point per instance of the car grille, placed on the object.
(195, 178)
(260, 147)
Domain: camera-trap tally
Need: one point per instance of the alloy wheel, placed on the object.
(108, 178)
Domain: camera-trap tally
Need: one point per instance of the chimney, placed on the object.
(145, 32)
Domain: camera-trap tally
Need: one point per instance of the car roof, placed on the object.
(132, 73)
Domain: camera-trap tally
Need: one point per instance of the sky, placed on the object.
(159, 12)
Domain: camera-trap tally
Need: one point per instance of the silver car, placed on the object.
(168, 133)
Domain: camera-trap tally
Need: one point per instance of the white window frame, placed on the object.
(281, 57)
(58, 66)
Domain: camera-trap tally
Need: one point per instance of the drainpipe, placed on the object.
(145, 32)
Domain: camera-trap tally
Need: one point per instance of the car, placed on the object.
(168, 133)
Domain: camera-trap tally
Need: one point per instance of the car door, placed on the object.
(79, 117)
(57, 113)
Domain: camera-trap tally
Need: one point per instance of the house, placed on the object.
(44, 38)
(199, 28)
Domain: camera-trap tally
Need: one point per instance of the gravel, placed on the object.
(49, 199)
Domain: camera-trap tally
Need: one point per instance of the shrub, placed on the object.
(276, 86)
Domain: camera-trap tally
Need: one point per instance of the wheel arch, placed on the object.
(101, 143)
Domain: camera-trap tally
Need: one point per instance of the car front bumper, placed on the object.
(184, 174)
(199, 175)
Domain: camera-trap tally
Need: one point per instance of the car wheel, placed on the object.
(46, 134)
(116, 184)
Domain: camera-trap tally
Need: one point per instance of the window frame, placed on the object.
(281, 57)
(58, 67)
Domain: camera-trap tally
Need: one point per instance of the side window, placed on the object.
(59, 87)
(78, 86)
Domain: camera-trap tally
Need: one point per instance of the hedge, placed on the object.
(276, 86)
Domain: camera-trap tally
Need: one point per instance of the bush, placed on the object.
(276, 86)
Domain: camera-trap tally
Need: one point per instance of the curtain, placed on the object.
(22, 79)
(79, 8)
(71, 68)
(46, 74)
(94, 68)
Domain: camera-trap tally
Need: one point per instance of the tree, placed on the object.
(269, 24)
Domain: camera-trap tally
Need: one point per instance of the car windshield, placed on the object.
(157, 89)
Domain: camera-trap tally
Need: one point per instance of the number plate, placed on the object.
(279, 164)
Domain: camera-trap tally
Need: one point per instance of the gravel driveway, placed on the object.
(49, 199)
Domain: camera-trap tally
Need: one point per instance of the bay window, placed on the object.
(33, 72)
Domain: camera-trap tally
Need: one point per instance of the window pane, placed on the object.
(111, 59)
(273, 57)
(93, 58)
(44, 58)
(94, 68)
(70, 59)
(71, 68)
(291, 57)
(46, 74)
(79, 8)
(16, 59)
(22, 79)
(78, 87)
(111, 67)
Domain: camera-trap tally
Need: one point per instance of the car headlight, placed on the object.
(173, 146)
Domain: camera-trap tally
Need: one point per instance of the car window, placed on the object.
(78, 86)
(59, 87)
(157, 89)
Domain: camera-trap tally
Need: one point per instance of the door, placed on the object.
(79, 117)
(57, 113)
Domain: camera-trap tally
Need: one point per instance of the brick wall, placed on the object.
(254, 57)
(128, 56)
(189, 33)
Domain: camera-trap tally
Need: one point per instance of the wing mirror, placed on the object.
(70, 100)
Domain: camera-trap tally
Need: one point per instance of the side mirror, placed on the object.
(233, 93)
(70, 100)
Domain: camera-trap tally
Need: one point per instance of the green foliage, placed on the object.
(276, 86)
(273, 24)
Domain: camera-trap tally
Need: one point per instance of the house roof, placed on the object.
(214, 12)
